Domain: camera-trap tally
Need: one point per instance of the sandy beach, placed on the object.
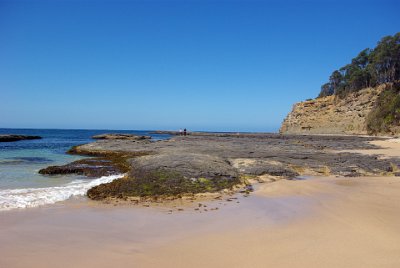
(316, 222)
(199, 134)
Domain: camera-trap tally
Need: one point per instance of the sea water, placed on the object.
(22, 186)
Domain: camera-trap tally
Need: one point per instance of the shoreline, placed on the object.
(87, 228)
(190, 167)
(310, 219)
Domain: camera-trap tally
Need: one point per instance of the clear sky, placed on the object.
(203, 65)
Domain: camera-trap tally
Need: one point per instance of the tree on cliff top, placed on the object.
(370, 68)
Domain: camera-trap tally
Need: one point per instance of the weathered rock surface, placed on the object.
(288, 150)
(169, 132)
(189, 165)
(210, 163)
(12, 137)
(331, 115)
(120, 136)
(214, 134)
(259, 167)
(91, 167)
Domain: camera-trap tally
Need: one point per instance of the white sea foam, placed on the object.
(33, 197)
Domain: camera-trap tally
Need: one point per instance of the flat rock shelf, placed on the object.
(212, 163)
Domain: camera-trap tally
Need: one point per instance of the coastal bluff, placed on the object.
(332, 115)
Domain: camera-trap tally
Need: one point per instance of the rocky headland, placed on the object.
(199, 164)
(361, 97)
(332, 115)
(14, 137)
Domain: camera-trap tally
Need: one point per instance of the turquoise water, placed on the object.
(20, 183)
(19, 168)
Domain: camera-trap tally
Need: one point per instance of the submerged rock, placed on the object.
(25, 160)
(12, 137)
(91, 167)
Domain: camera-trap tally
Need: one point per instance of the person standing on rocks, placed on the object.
(184, 132)
(180, 132)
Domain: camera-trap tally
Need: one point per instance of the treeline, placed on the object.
(370, 68)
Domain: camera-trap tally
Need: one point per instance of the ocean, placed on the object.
(21, 186)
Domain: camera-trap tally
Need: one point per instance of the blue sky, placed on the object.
(203, 65)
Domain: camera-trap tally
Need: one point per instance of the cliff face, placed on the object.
(330, 115)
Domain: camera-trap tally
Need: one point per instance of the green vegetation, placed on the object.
(158, 183)
(372, 67)
(149, 183)
(386, 113)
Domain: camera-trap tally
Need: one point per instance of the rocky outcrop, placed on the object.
(170, 175)
(167, 132)
(120, 136)
(189, 165)
(209, 134)
(197, 164)
(12, 137)
(92, 167)
(332, 115)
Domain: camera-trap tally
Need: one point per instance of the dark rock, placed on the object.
(11, 137)
(209, 162)
(271, 170)
(169, 132)
(170, 174)
(247, 189)
(88, 167)
(189, 165)
(120, 136)
(353, 174)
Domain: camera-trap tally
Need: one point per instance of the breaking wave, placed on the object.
(33, 197)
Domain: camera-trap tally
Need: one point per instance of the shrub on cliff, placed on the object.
(386, 112)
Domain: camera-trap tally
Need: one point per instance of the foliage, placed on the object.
(386, 113)
(370, 68)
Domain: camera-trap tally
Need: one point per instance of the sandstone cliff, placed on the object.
(331, 115)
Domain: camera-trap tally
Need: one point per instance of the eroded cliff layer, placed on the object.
(332, 115)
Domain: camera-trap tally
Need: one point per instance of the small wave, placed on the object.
(33, 197)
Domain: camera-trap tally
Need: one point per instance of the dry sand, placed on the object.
(319, 222)
(389, 148)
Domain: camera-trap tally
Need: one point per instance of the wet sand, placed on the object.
(352, 223)
(86, 234)
(318, 222)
